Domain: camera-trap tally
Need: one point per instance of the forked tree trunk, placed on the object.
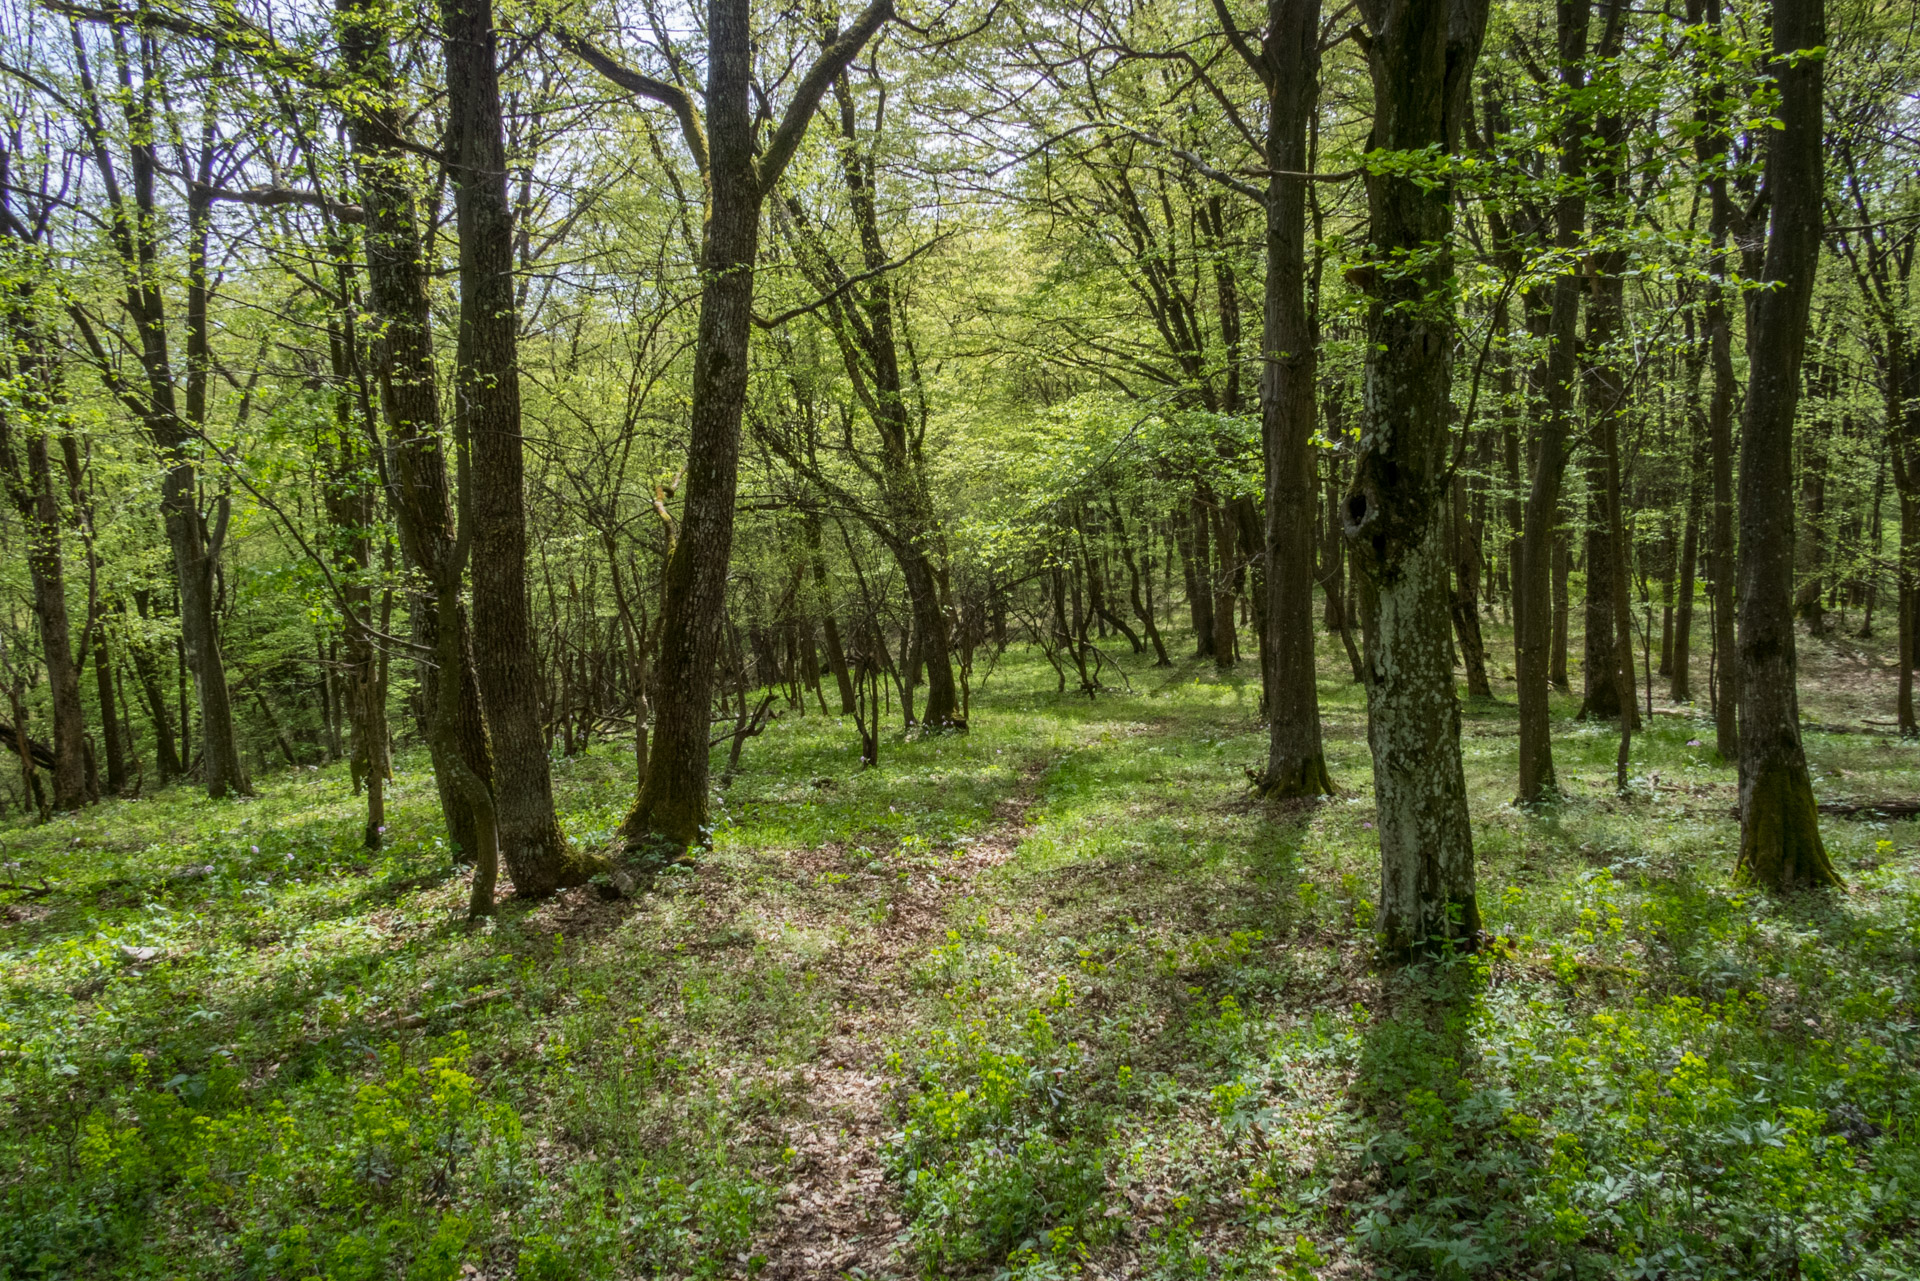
(1421, 60)
(1780, 845)
(672, 806)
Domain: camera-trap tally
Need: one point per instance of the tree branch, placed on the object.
(644, 86)
(806, 96)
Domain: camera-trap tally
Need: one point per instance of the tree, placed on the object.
(1288, 65)
(1780, 844)
(1421, 61)
(739, 176)
(487, 410)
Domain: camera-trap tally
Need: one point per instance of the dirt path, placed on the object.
(837, 1213)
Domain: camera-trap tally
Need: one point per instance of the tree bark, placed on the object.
(1710, 148)
(487, 414)
(1421, 62)
(1289, 66)
(402, 367)
(29, 483)
(672, 806)
(1780, 845)
(1681, 689)
(135, 227)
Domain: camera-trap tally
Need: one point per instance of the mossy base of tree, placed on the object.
(1298, 779)
(1780, 845)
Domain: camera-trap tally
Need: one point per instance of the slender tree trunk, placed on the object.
(110, 723)
(1142, 607)
(1710, 147)
(401, 363)
(829, 627)
(32, 490)
(1465, 600)
(487, 412)
(1540, 639)
(1681, 690)
(1226, 640)
(673, 804)
(1780, 845)
(1190, 534)
(1289, 373)
(1421, 62)
(167, 754)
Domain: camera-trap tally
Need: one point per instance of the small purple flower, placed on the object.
(1693, 742)
(1368, 826)
(254, 848)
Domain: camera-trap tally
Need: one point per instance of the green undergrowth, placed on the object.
(1152, 1042)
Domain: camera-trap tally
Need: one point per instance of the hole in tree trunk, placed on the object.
(1356, 508)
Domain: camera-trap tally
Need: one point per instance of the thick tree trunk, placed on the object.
(1780, 845)
(1421, 59)
(487, 421)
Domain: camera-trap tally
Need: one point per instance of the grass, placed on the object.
(1051, 999)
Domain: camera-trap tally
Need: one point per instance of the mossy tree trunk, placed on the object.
(1780, 845)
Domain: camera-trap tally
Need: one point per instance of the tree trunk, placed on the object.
(168, 757)
(1289, 372)
(1421, 62)
(1142, 607)
(673, 803)
(1681, 690)
(1780, 845)
(487, 417)
(402, 367)
(1710, 148)
(1465, 599)
(1190, 535)
(1540, 635)
(829, 627)
(110, 724)
(31, 488)
(1226, 640)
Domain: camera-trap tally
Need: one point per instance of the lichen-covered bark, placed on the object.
(1421, 60)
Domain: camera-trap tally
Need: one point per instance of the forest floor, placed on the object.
(1052, 998)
